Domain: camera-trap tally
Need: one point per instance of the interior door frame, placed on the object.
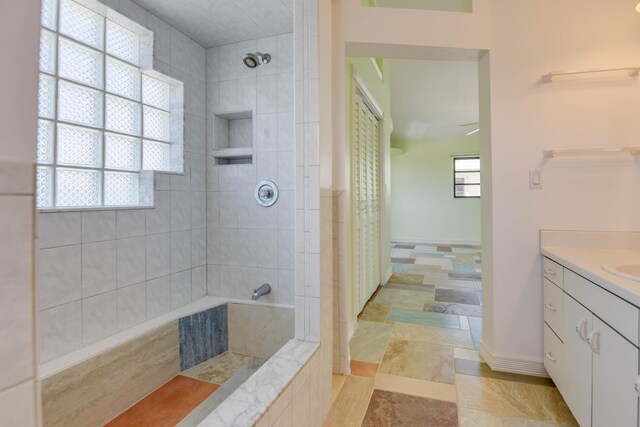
(359, 88)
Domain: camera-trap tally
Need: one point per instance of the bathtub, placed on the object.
(95, 384)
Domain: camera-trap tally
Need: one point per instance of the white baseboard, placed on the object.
(438, 242)
(516, 366)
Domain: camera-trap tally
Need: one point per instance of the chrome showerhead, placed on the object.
(252, 60)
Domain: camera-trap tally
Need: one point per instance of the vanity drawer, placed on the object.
(618, 313)
(553, 271)
(553, 307)
(554, 357)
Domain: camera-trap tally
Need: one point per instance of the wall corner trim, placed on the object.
(513, 365)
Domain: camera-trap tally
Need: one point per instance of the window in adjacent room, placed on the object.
(466, 177)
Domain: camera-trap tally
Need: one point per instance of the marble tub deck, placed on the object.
(415, 359)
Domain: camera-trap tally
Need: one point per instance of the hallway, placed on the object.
(415, 358)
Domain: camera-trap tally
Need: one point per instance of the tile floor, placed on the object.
(415, 359)
(206, 385)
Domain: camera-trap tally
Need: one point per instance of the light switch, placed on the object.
(535, 179)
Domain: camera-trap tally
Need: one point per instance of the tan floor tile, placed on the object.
(349, 408)
(375, 312)
(401, 410)
(406, 278)
(424, 268)
(364, 369)
(419, 360)
(450, 283)
(370, 341)
(473, 418)
(467, 354)
(431, 334)
(414, 387)
(337, 381)
(218, 369)
(512, 399)
(397, 297)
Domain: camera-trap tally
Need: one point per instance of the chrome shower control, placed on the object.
(266, 193)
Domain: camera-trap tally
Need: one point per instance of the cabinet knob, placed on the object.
(550, 307)
(594, 337)
(550, 356)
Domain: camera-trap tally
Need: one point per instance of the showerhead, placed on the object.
(252, 60)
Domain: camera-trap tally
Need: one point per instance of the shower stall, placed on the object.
(179, 213)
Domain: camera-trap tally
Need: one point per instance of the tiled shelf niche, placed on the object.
(233, 138)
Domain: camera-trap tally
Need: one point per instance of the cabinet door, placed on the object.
(577, 361)
(615, 369)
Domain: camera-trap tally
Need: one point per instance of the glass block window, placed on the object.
(95, 106)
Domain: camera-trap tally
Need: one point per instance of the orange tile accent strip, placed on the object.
(364, 369)
(167, 405)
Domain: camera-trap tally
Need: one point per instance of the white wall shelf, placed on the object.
(634, 151)
(233, 153)
(631, 71)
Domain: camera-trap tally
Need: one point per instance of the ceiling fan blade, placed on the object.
(469, 124)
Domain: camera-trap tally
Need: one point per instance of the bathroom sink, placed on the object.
(626, 271)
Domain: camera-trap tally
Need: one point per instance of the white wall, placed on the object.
(249, 244)
(18, 109)
(104, 271)
(422, 202)
(525, 40)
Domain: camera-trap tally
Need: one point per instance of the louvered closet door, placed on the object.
(366, 219)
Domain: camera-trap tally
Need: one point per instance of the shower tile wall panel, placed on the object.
(108, 270)
(203, 335)
(249, 244)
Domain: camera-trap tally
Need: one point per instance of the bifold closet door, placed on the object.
(366, 218)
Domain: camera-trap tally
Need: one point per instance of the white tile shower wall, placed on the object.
(104, 271)
(248, 244)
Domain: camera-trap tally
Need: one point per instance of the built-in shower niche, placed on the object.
(233, 138)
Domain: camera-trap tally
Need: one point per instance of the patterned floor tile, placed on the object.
(423, 268)
(410, 287)
(401, 253)
(444, 248)
(481, 369)
(403, 260)
(513, 399)
(474, 418)
(424, 318)
(375, 312)
(464, 323)
(351, 404)
(457, 296)
(406, 278)
(400, 410)
(405, 246)
(370, 341)
(475, 323)
(451, 308)
(430, 334)
(419, 360)
(364, 369)
(403, 298)
(414, 387)
(401, 268)
(448, 283)
(466, 354)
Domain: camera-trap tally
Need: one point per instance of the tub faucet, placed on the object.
(262, 290)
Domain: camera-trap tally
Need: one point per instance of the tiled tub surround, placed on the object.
(123, 374)
(248, 244)
(103, 271)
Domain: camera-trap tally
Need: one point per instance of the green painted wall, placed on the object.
(422, 202)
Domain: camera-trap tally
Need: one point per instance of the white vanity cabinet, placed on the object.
(591, 349)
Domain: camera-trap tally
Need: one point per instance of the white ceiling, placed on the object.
(431, 99)
(217, 22)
